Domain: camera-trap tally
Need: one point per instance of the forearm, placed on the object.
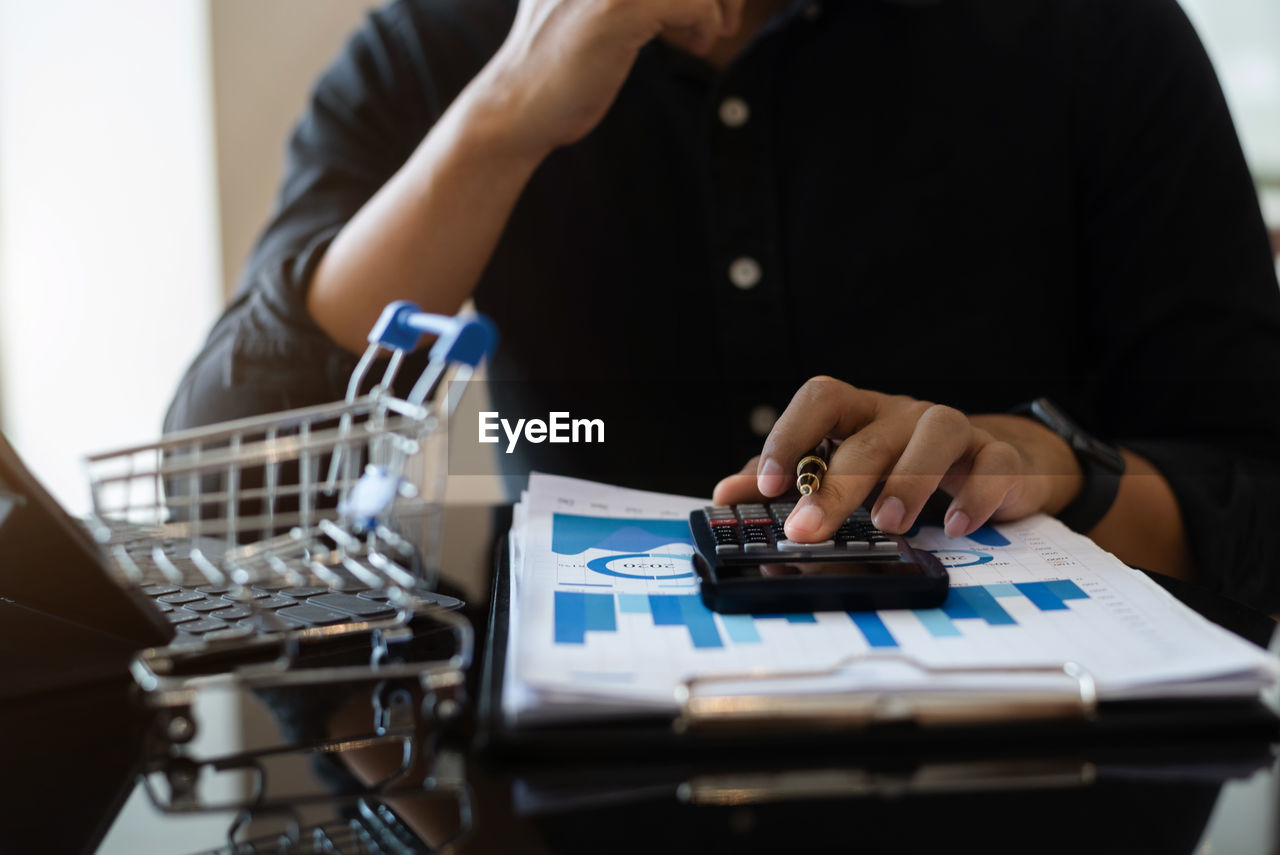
(1144, 527)
(428, 233)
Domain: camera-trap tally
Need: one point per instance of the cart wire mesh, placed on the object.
(319, 495)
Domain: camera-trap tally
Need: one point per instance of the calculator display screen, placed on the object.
(793, 569)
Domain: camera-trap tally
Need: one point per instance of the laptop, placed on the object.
(65, 619)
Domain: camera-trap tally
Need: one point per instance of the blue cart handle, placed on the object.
(466, 340)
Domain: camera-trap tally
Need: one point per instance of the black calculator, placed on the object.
(746, 563)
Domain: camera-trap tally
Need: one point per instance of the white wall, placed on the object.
(1243, 39)
(109, 269)
(266, 56)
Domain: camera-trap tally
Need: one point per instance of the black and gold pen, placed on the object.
(812, 467)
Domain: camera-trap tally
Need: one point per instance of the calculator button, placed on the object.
(725, 533)
(755, 547)
(717, 522)
(725, 548)
(793, 546)
(885, 546)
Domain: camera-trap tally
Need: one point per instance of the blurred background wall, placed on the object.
(1243, 39)
(265, 56)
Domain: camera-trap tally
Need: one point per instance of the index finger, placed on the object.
(823, 407)
(739, 489)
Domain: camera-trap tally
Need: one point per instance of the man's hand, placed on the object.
(548, 85)
(995, 466)
(564, 61)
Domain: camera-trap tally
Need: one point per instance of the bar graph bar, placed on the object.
(873, 629)
(1066, 589)
(789, 617)
(976, 601)
(980, 602)
(699, 619)
(988, 536)
(577, 613)
(938, 624)
(1040, 594)
(741, 629)
(633, 604)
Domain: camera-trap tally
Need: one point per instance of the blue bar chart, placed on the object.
(577, 613)
(982, 602)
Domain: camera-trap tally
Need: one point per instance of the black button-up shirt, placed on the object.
(971, 201)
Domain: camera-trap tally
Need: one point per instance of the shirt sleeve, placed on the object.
(1179, 287)
(366, 115)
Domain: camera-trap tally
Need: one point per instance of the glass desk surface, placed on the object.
(71, 760)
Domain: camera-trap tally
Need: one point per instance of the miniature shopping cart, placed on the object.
(343, 496)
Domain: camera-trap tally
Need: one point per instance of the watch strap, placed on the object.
(1097, 494)
(1102, 465)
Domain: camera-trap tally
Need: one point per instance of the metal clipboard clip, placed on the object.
(943, 698)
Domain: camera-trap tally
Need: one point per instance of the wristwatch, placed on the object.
(1101, 464)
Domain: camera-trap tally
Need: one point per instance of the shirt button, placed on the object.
(734, 112)
(745, 273)
(761, 419)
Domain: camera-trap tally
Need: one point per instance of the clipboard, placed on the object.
(896, 730)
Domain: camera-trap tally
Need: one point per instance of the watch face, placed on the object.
(1107, 455)
(1081, 442)
(1056, 420)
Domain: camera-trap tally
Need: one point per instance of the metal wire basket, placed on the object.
(340, 497)
(307, 493)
